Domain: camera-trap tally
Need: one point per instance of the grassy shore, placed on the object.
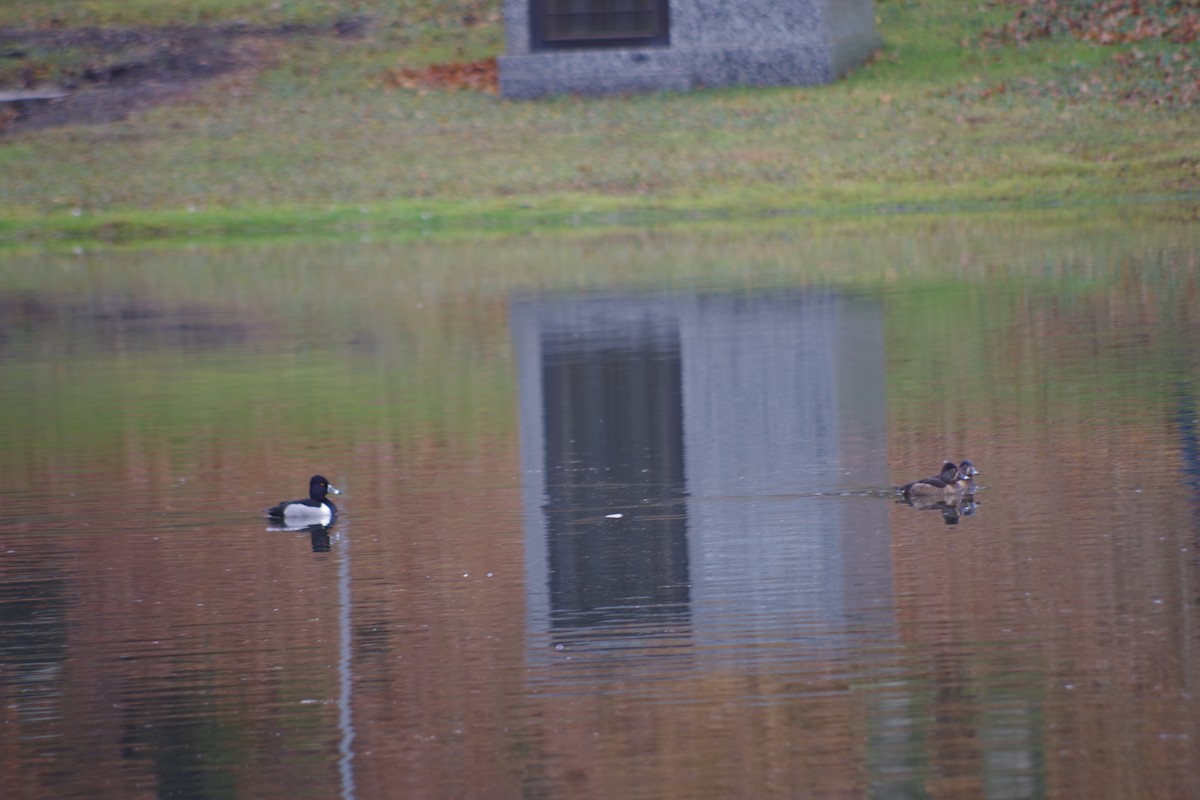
(317, 138)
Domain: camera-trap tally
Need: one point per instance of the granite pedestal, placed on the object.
(710, 43)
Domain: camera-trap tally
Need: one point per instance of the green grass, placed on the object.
(318, 142)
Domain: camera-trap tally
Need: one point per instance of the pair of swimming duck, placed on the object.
(952, 480)
(316, 508)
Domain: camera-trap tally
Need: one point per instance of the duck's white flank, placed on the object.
(298, 512)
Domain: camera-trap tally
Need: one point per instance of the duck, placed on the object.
(314, 509)
(945, 483)
(967, 473)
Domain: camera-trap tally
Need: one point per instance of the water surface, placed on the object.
(617, 519)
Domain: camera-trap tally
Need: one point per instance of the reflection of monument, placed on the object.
(784, 403)
(715, 425)
(613, 446)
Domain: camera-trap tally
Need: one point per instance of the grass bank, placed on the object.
(316, 138)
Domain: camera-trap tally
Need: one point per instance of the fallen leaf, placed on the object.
(480, 76)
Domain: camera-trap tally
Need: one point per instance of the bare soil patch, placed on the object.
(110, 73)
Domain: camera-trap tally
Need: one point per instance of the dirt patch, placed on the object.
(110, 73)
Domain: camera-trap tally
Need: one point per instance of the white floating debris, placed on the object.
(613, 516)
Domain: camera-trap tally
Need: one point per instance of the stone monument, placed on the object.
(619, 46)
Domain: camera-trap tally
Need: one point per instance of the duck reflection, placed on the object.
(953, 509)
(318, 534)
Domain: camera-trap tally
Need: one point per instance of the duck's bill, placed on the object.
(334, 490)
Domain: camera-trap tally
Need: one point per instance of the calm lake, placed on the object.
(617, 517)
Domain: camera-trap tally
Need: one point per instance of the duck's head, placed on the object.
(967, 471)
(318, 487)
(949, 472)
